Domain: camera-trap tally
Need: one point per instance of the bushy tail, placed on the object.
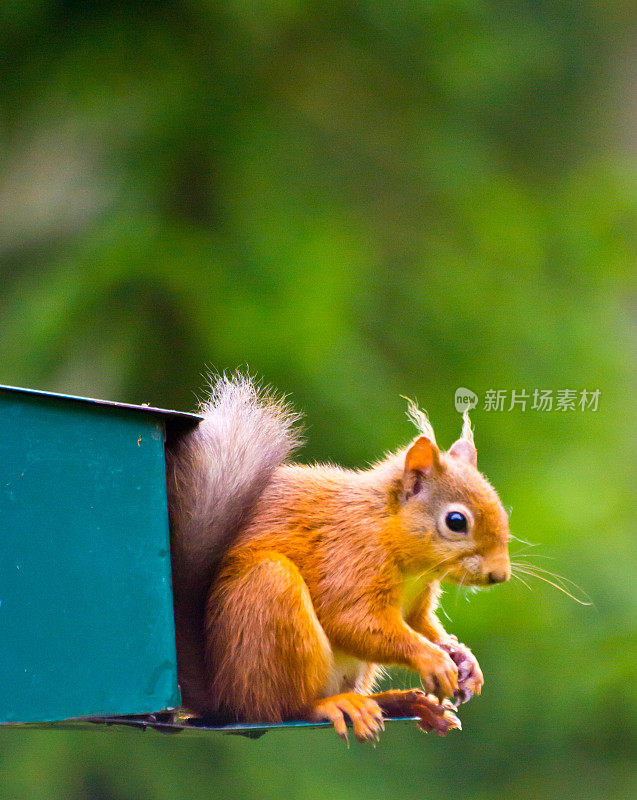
(217, 471)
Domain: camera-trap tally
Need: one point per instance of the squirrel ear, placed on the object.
(422, 456)
(465, 451)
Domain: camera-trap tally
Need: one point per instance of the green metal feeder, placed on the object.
(86, 613)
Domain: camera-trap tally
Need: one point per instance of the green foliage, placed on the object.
(359, 200)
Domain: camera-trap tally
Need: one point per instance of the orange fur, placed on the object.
(307, 598)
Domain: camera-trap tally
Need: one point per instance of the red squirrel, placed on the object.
(289, 580)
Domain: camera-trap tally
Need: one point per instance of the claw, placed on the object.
(432, 715)
(469, 674)
(363, 712)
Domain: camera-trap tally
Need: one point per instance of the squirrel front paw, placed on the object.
(437, 670)
(470, 678)
(431, 715)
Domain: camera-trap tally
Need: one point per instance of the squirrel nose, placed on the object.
(497, 576)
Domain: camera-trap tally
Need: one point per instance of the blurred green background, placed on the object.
(358, 200)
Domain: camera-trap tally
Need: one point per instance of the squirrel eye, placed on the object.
(456, 522)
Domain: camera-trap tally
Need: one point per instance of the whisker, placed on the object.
(513, 575)
(542, 569)
(535, 570)
(469, 589)
(435, 566)
(522, 554)
(560, 582)
(523, 541)
(556, 575)
(525, 554)
(529, 554)
(459, 586)
(555, 585)
(442, 609)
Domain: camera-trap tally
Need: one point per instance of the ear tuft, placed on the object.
(464, 450)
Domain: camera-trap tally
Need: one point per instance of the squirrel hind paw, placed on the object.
(364, 714)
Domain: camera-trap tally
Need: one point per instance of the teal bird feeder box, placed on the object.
(86, 611)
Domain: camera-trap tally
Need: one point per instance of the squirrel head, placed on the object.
(451, 520)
